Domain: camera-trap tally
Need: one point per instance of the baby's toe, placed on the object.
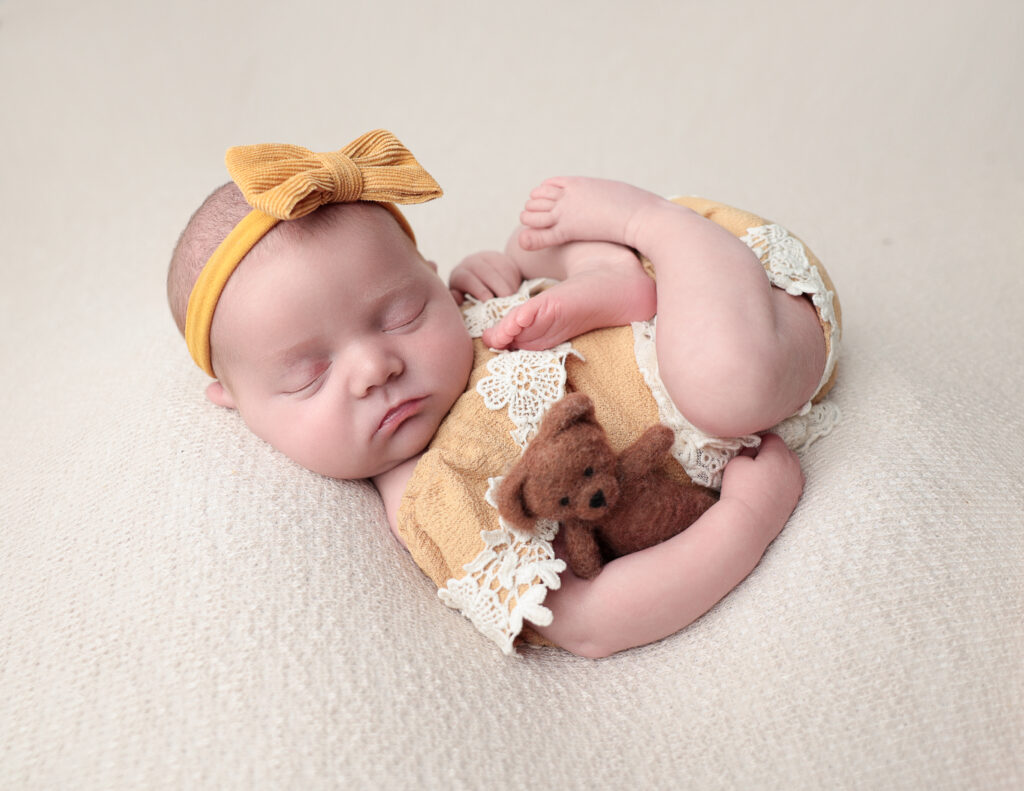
(551, 190)
(537, 237)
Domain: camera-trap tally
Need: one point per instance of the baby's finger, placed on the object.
(780, 456)
(467, 282)
(773, 445)
(506, 284)
(494, 270)
(500, 275)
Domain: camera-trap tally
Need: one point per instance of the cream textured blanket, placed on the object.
(182, 608)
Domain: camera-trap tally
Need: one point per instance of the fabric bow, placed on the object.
(288, 182)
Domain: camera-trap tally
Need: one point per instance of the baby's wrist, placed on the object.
(758, 522)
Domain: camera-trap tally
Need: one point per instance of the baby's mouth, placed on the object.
(398, 414)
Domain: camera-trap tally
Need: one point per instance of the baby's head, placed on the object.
(333, 338)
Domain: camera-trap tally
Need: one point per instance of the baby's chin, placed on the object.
(410, 447)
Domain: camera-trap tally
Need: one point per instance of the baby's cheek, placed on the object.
(315, 441)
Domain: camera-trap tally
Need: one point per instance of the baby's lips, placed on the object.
(399, 413)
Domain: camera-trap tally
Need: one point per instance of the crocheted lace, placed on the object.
(785, 260)
(526, 383)
(507, 582)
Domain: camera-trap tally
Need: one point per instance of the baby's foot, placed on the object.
(566, 209)
(601, 297)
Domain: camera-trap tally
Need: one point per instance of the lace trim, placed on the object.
(786, 263)
(525, 383)
(508, 581)
(801, 431)
(702, 456)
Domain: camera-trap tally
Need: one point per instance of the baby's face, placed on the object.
(342, 348)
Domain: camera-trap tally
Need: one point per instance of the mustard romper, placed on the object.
(497, 576)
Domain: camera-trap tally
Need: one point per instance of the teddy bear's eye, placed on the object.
(564, 501)
(588, 472)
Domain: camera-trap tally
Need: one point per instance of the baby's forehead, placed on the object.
(360, 217)
(340, 224)
(361, 246)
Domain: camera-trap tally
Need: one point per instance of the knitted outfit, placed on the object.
(497, 576)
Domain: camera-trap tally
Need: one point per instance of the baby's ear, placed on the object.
(219, 395)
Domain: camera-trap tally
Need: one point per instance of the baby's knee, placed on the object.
(727, 392)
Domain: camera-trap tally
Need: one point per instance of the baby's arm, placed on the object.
(643, 597)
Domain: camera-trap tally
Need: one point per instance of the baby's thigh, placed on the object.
(730, 382)
(739, 371)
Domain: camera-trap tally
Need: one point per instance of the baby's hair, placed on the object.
(209, 225)
(212, 222)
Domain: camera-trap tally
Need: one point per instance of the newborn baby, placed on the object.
(300, 289)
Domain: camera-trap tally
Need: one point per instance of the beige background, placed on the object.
(180, 607)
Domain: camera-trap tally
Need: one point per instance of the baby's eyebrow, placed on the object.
(283, 362)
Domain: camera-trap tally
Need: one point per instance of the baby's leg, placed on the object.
(601, 285)
(736, 355)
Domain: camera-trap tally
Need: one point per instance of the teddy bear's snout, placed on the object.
(596, 500)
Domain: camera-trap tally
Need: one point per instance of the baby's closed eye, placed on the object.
(307, 381)
(403, 314)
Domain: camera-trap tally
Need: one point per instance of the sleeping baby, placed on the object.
(301, 292)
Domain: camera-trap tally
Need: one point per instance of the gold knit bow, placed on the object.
(288, 182)
(283, 182)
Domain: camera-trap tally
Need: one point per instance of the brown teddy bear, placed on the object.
(607, 505)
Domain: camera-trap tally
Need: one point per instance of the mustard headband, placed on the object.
(283, 182)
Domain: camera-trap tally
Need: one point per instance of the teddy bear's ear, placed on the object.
(575, 408)
(512, 499)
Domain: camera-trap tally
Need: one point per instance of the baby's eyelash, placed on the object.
(405, 318)
(314, 381)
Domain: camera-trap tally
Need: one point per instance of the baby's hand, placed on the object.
(485, 275)
(768, 480)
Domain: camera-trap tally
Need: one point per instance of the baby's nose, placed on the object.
(374, 369)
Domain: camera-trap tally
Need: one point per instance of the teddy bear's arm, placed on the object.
(645, 453)
(581, 550)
